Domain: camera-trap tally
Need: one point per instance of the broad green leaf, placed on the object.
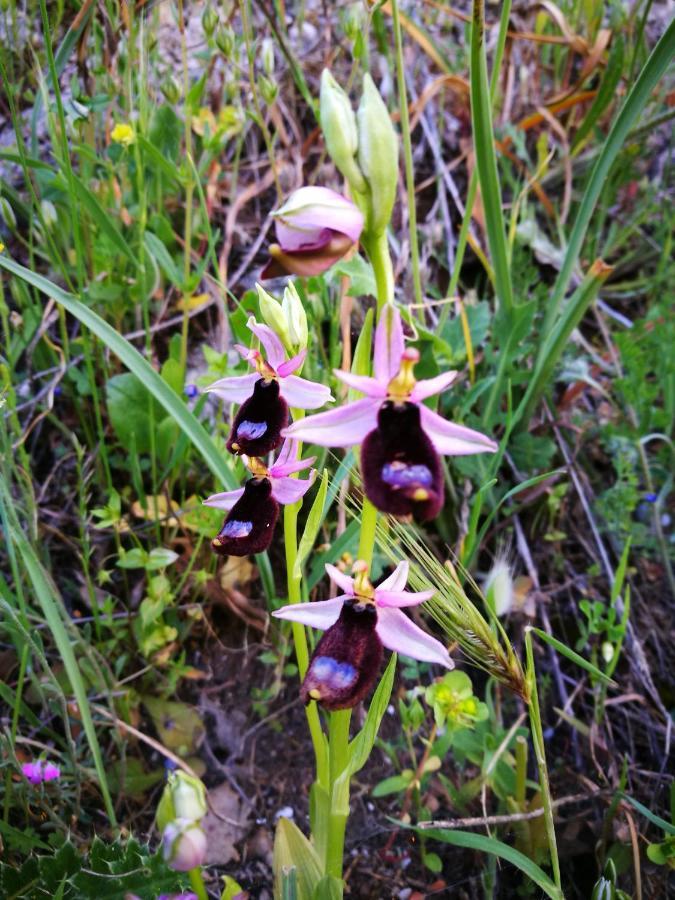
(393, 785)
(329, 888)
(129, 404)
(292, 850)
(314, 520)
(360, 272)
(497, 848)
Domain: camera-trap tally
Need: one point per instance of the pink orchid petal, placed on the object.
(304, 394)
(293, 236)
(451, 439)
(235, 389)
(281, 470)
(295, 362)
(51, 772)
(274, 349)
(430, 386)
(344, 582)
(290, 490)
(371, 387)
(312, 209)
(225, 500)
(341, 427)
(389, 344)
(319, 614)
(386, 599)
(287, 454)
(400, 634)
(397, 580)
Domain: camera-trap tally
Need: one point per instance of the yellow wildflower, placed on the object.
(123, 134)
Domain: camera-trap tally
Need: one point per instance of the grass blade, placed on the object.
(497, 848)
(572, 656)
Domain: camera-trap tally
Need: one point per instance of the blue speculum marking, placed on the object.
(400, 475)
(237, 529)
(251, 430)
(334, 674)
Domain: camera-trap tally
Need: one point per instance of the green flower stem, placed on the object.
(338, 754)
(540, 754)
(291, 511)
(197, 883)
(377, 249)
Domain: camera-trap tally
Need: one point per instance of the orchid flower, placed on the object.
(401, 436)
(315, 228)
(254, 508)
(266, 394)
(357, 624)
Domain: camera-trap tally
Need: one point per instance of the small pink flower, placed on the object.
(315, 228)
(39, 771)
(358, 623)
(266, 394)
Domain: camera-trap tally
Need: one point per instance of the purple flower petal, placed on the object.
(33, 771)
(319, 614)
(236, 389)
(309, 210)
(400, 634)
(397, 580)
(290, 490)
(303, 394)
(451, 439)
(280, 470)
(295, 362)
(389, 344)
(371, 387)
(225, 500)
(51, 772)
(387, 599)
(430, 386)
(344, 582)
(274, 349)
(341, 427)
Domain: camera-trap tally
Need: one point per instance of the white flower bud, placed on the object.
(295, 316)
(378, 156)
(499, 584)
(184, 845)
(49, 213)
(273, 315)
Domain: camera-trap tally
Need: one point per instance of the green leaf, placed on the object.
(329, 888)
(314, 520)
(103, 221)
(360, 272)
(292, 850)
(491, 845)
(133, 360)
(160, 558)
(571, 655)
(393, 785)
(606, 91)
(158, 251)
(52, 609)
(129, 405)
(667, 827)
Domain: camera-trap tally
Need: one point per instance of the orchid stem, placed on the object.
(338, 735)
(197, 883)
(378, 252)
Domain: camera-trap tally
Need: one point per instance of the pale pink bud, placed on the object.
(184, 845)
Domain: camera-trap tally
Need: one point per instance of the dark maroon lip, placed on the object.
(249, 525)
(257, 427)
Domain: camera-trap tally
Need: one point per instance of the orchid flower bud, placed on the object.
(338, 124)
(274, 315)
(209, 21)
(184, 845)
(295, 316)
(378, 156)
(184, 797)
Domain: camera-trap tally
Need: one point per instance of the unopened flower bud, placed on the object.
(184, 797)
(273, 315)
(225, 40)
(607, 650)
(7, 213)
(49, 213)
(171, 89)
(268, 89)
(338, 124)
(184, 845)
(378, 156)
(209, 21)
(355, 22)
(296, 317)
(499, 587)
(267, 56)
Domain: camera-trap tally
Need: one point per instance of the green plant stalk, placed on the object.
(408, 158)
(338, 743)
(540, 754)
(15, 727)
(197, 883)
(377, 249)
